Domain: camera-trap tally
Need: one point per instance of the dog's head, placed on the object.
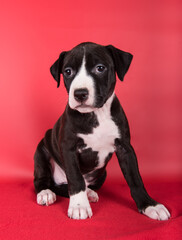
(89, 74)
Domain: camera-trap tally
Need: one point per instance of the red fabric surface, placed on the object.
(114, 217)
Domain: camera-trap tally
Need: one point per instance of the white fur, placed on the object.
(158, 212)
(79, 206)
(58, 173)
(82, 80)
(103, 136)
(92, 195)
(46, 197)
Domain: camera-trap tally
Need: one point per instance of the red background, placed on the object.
(33, 33)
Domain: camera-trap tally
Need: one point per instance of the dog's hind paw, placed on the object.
(46, 197)
(92, 195)
(158, 212)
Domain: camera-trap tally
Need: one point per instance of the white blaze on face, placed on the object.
(82, 81)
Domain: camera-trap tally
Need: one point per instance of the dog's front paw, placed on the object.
(79, 207)
(46, 197)
(158, 212)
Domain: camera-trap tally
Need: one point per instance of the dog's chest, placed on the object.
(103, 136)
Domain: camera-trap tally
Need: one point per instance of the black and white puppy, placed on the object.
(71, 159)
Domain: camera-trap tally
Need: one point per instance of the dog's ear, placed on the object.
(121, 60)
(56, 68)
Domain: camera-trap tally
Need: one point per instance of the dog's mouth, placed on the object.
(84, 108)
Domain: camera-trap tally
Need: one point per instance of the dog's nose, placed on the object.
(81, 94)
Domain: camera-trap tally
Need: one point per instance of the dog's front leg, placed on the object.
(79, 206)
(129, 166)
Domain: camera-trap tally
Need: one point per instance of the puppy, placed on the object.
(71, 159)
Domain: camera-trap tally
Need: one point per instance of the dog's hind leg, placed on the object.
(43, 181)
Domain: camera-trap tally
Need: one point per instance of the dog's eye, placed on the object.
(68, 72)
(100, 68)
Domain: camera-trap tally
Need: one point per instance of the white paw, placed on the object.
(92, 195)
(79, 207)
(46, 197)
(158, 212)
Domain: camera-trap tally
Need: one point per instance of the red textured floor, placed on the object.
(114, 217)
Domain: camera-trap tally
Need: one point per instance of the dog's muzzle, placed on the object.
(81, 95)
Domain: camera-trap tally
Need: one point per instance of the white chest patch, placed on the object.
(103, 137)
